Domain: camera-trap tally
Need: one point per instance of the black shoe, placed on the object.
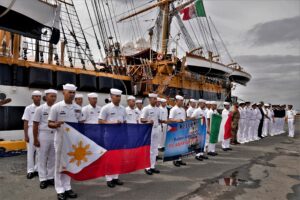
(181, 162)
(212, 153)
(61, 196)
(199, 158)
(156, 171)
(225, 149)
(176, 163)
(117, 182)
(158, 158)
(148, 171)
(43, 184)
(110, 184)
(30, 175)
(36, 174)
(229, 149)
(203, 157)
(71, 194)
(50, 182)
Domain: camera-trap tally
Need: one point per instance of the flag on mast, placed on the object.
(193, 11)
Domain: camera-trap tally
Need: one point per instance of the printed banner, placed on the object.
(184, 138)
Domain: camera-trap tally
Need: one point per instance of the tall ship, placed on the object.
(43, 44)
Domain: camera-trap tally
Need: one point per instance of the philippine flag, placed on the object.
(94, 150)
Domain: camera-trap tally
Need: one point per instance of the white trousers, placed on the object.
(211, 147)
(282, 122)
(32, 153)
(46, 164)
(276, 125)
(62, 181)
(266, 127)
(256, 129)
(163, 132)
(240, 133)
(251, 130)
(246, 130)
(226, 143)
(154, 146)
(291, 126)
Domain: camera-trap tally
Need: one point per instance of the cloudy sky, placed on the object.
(262, 35)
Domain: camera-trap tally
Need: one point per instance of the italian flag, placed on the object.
(195, 10)
(225, 126)
(215, 123)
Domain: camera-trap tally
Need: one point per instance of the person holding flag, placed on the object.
(225, 128)
(63, 111)
(211, 124)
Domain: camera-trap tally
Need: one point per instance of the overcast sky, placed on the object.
(262, 35)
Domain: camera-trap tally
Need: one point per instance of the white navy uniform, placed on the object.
(32, 157)
(90, 114)
(138, 111)
(190, 111)
(248, 114)
(66, 113)
(272, 123)
(252, 131)
(112, 113)
(199, 112)
(266, 124)
(290, 115)
(152, 113)
(163, 127)
(132, 116)
(46, 156)
(240, 133)
(210, 112)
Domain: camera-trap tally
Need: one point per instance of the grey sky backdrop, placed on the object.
(262, 35)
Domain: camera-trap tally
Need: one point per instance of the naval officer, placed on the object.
(210, 112)
(132, 116)
(63, 111)
(44, 140)
(32, 167)
(290, 118)
(139, 106)
(192, 108)
(113, 113)
(79, 99)
(163, 126)
(91, 111)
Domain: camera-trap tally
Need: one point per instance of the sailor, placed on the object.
(151, 114)
(158, 102)
(276, 119)
(63, 111)
(139, 106)
(222, 136)
(252, 126)
(213, 110)
(113, 113)
(282, 118)
(247, 122)
(44, 140)
(290, 118)
(132, 116)
(192, 108)
(79, 99)
(267, 120)
(91, 111)
(163, 126)
(235, 123)
(240, 134)
(261, 117)
(32, 167)
(198, 113)
(272, 120)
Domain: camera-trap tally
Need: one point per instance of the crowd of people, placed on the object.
(43, 132)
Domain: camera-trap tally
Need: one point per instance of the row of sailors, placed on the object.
(43, 133)
(258, 120)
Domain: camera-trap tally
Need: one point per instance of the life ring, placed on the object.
(160, 56)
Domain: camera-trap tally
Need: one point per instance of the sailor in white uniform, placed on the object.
(290, 117)
(63, 111)
(198, 113)
(91, 111)
(151, 114)
(192, 108)
(178, 114)
(163, 126)
(79, 99)
(272, 121)
(44, 140)
(132, 116)
(267, 120)
(252, 126)
(240, 134)
(113, 113)
(139, 106)
(248, 113)
(210, 112)
(32, 157)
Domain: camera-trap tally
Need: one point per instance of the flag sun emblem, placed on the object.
(80, 153)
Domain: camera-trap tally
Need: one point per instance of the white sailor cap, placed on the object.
(36, 93)
(92, 95)
(115, 91)
(163, 100)
(78, 96)
(226, 103)
(130, 98)
(202, 101)
(193, 101)
(139, 101)
(152, 95)
(50, 91)
(158, 99)
(266, 104)
(178, 97)
(70, 87)
(213, 103)
(208, 102)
